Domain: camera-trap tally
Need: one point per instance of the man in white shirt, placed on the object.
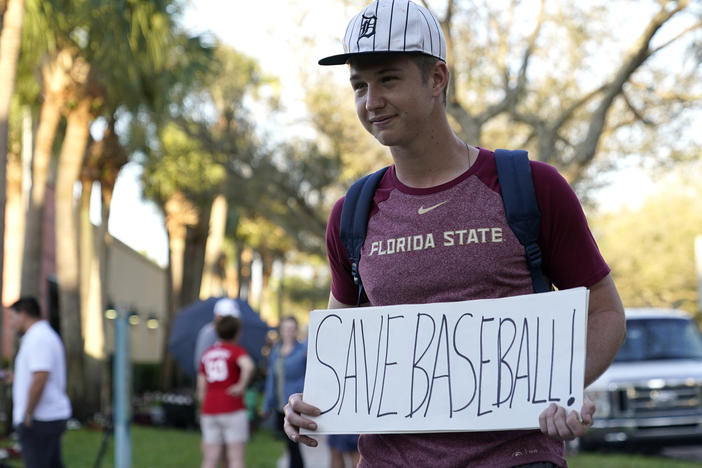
(40, 404)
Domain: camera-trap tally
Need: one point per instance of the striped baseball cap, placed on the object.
(388, 26)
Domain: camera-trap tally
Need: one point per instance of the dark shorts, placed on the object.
(343, 442)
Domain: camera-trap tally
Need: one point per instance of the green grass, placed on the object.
(162, 448)
(625, 460)
(170, 448)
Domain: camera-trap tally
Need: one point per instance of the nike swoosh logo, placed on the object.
(423, 210)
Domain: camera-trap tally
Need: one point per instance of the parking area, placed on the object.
(689, 453)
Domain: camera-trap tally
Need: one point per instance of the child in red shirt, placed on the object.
(225, 371)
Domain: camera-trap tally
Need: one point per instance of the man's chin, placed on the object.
(386, 140)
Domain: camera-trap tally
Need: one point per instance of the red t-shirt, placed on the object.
(218, 364)
(453, 243)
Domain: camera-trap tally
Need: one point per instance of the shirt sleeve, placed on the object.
(40, 359)
(570, 254)
(240, 351)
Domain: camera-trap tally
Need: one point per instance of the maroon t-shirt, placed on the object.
(453, 243)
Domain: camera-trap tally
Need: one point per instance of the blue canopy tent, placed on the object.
(190, 319)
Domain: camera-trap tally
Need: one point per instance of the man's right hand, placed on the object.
(294, 420)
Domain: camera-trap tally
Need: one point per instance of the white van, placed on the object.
(652, 393)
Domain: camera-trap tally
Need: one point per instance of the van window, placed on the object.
(657, 339)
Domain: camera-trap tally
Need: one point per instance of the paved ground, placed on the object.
(690, 453)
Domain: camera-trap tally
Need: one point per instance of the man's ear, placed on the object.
(439, 77)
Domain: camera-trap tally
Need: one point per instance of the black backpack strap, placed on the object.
(354, 220)
(522, 209)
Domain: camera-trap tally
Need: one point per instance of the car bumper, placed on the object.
(655, 429)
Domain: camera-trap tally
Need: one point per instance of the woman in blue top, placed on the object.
(286, 375)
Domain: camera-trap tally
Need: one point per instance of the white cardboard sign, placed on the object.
(490, 364)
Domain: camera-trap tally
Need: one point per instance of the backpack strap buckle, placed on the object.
(533, 255)
(354, 273)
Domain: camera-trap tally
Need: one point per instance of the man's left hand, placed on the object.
(560, 424)
(27, 420)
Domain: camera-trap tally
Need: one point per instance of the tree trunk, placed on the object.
(55, 77)
(245, 263)
(179, 215)
(213, 275)
(177, 254)
(14, 236)
(11, 17)
(86, 251)
(280, 294)
(168, 368)
(10, 39)
(103, 243)
(67, 264)
(239, 268)
(195, 241)
(264, 304)
(90, 302)
(231, 275)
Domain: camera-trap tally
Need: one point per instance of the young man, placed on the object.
(439, 184)
(40, 404)
(225, 371)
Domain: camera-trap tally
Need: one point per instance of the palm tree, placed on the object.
(55, 73)
(95, 71)
(67, 265)
(10, 39)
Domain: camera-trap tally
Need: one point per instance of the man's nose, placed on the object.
(374, 98)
